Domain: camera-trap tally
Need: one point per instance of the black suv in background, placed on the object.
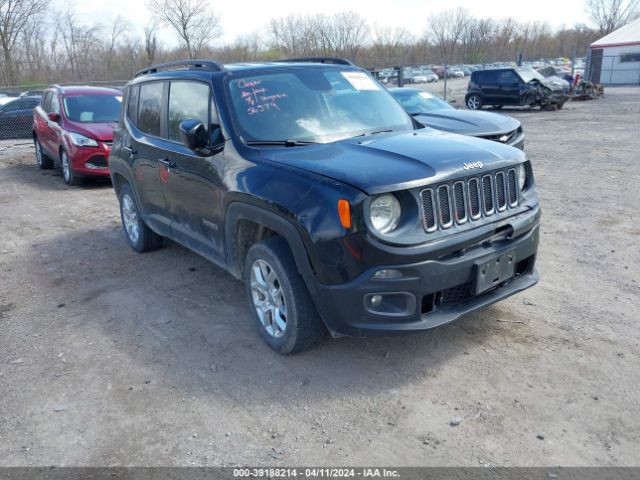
(309, 182)
(521, 87)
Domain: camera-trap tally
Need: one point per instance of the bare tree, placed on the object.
(150, 42)
(389, 44)
(609, 15)
(445, 31)
(193, 21)
(119, 27)
(14, 17)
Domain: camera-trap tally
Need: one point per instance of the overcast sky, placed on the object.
(245, 17)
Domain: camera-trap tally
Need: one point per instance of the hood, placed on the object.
(556, 83)
(397, 161)
(98, 131)
(466, 122)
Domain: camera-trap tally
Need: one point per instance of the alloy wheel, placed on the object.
(130, 218)
(268, 298)
(38, 153)
(66, 168)
(473, 103)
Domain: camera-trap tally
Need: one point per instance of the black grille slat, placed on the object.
(487, 194)
(444, 206)
(474, 198)
(512, 184)
(429, 216)
(467, 200)
(501, 196)
(459, 203)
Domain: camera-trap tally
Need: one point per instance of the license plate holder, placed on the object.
(493, 272)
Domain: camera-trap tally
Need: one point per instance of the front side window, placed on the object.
(187, 100)
(316, 105)
(149, 107)
(55, 104)
(92, 108)
(507, 77)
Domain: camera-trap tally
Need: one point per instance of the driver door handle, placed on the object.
(170, 164)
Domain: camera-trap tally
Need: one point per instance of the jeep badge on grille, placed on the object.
(471, 166)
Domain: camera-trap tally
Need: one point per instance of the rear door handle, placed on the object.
(170, 164)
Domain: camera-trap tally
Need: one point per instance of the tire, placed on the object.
(43, 161)
(69, 177)
(140, 237)
(276, 291)
(474, 102)
(559, 106)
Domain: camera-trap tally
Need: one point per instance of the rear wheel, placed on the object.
(140, 237)
(70, 178)
(286, 316)
(44, 162)
(474, 102)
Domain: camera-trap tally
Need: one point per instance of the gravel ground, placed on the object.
(108, 357)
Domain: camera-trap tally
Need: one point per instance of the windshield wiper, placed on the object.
(371, 133)
(284, 143)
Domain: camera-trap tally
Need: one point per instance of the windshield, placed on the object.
(419, 102)
(314, 105)
(92, 108)
(527, 74)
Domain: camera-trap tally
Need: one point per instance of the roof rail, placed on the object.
(333, 60)
(190, 64)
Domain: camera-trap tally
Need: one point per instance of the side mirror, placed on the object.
(193, 134)
(53, 116)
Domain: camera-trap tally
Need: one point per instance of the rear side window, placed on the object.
(132, 104)
(486, 76)
(187, 100)
(149, 108)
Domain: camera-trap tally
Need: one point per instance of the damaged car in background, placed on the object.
(432, 111)
(518, 87)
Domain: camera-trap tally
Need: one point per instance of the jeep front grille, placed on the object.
(470, 199)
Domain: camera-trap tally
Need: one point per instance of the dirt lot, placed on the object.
(108, 357)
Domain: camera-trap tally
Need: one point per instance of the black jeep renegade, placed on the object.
(308, 181)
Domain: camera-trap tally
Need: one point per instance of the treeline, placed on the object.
(41, 46)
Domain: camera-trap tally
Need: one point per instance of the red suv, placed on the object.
(73, 128)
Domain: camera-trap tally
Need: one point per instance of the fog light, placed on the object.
(387, 274)
(375, 300)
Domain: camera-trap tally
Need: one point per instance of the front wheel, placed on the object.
(44, 162)
(140, 237)
(474, 102)
(70, 178)
(286, 316)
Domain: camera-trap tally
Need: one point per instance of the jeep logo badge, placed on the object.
(470, 166)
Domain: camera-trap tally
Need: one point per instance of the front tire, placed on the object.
(286, 316)
(474, 102)
(140, 237)
(43, 161)
(70, 178)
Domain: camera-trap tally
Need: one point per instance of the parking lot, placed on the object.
(108, 357)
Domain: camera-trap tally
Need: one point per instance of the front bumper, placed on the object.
(90, 161)
(435, 292)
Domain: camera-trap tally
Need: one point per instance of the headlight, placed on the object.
(81, 140)
(522, 176)
(384, 213)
